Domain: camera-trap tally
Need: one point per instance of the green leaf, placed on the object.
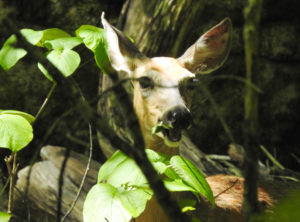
(32, 36)
(192, 176)
(45, 72)
(63, 43)
(38, 38)
(159, 127)
(177, 185)
(92, 36)
(66, 61)
(187, 205)
(159, 161)
(102, 59)
(134, 200)
(27, 116)
(5, 217)
(105, 202)
(15, 132)
(120, 170)
(9, 55)
(95, 39)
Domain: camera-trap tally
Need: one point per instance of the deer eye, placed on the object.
(145, 82)
(192, 83)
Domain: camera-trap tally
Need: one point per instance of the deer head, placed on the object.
(156, 81)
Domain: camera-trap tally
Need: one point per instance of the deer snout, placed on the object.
(178, 117)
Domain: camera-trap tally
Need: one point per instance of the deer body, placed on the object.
(157, 98)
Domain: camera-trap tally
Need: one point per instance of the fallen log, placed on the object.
(37, 200)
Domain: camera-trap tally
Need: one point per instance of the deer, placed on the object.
(157, 98)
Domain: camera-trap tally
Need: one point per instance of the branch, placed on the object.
(84, 176)
(252, 15)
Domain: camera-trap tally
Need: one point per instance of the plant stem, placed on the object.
(252, 14)
(45, 102)
(12, 178)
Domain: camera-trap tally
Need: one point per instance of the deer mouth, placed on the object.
(172, 136)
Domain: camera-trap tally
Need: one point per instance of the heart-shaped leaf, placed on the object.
(95, 39)
(38, 38)
(15, 132)
(105, 202)
(66, 60)
(92, 36)
(63, 43)
(9, 55)
(120, 170)
(32, 36)
(27, 116)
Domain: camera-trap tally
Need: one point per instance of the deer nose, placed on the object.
(179, 117)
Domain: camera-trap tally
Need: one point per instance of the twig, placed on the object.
(272, 158)
(76, 140)
(84, 176)
(61, 184)
(217, 111)
(218, 157)
(45, 102)
(296, 157)
(252, 15)
(224, 191)
(239, 79)
(12, 178)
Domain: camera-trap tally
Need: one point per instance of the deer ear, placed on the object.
(210, 51)
(123, 54)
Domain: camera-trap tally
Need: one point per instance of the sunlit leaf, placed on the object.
(38, 38)
(134, 200)
(177, 185)
(45, 72)
(63, 43)
(187, 205)
(192, 176)
(103, 204)
(9, 55)
(66, 61)
(27, 116)
(92, 36)
(159, 161)
(32, 36)
(5, 217)
(95, 39)
(15, 132)
(120, 170)
(52, 33)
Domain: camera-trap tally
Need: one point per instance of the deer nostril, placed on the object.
(178, 117)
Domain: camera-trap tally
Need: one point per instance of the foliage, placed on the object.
(9, 55)
(122, 191)
(287, 210)
(15, 129)
(15, 126)
(4, 217)
(122, 184)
